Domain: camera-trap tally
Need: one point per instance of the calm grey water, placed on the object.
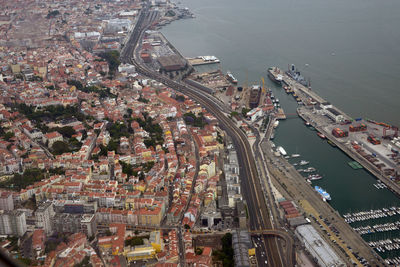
(352, 53)
(352, 47)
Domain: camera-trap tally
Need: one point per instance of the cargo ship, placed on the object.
(325, 195)
(231, 78)
(274, 75)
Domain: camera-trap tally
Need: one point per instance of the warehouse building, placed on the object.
(318, 248)
(171, 63)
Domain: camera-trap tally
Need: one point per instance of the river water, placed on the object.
(349, 49)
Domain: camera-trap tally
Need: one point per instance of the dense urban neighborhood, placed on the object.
(115, 150)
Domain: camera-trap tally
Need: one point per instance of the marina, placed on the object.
(338, 178)
(337, 184)
(309, 169)
(378, 228)
(380, 186)
(331, 123)
(371, 214)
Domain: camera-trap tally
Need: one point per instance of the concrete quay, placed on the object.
(325, 126)
(307, 115)
(202, 60)
(336, 232)
(304, 93)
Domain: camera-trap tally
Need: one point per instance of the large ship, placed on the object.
(325, 195)
(255, 94)
(295, 75)
(275, 75)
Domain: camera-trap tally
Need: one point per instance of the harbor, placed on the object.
(372, 145)
(344, 178)
(350, 189)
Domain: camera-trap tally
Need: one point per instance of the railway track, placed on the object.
(251, 187)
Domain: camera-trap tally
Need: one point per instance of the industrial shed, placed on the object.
(172, 63)
(318, 248)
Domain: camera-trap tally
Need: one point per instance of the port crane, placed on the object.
(263, 85)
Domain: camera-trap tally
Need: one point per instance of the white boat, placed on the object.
(282, 151)
(276, 123)
(304, 162)
(231, 77)
(309, 169)
(209, 58)
(295, 155)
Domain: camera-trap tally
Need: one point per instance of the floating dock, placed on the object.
(355, 165)
(280, 114)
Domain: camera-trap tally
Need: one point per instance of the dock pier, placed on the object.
(308, 113)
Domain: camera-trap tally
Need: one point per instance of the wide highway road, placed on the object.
(251, 187)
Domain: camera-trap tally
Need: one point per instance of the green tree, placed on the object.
(60, 147)
(126, 168)
(18, 181)
(8, 136)
(180, 98)
(199, 251)
(226, 254)
(108, 233)
(25, 261)
(245, 111)
(134, 241)
(112, 58)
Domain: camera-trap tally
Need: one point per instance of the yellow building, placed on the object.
(140, 186)
(16, 69)
(208, 169)
(252, 252)
(156, 241)
(149, 217)
(143, 252)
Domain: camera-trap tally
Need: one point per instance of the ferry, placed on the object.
(213, 59)
(325, 195)
(321, 135)
(282, 151)
(231, 78)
